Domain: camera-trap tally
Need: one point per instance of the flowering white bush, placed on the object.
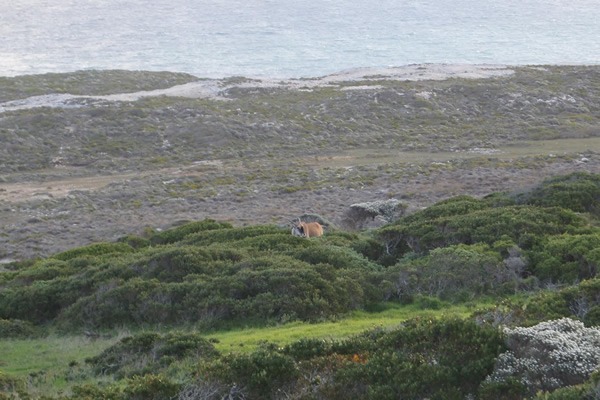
(549, 355)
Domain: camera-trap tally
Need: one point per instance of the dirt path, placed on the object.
(57, 188)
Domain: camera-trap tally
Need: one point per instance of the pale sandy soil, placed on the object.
(213, 89)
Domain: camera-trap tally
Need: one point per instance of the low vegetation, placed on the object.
(525, 263)
(426, 116)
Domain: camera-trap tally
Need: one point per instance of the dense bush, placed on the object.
(17, 329)
(567, 258)
(145, 387)
(473, 223)
(581, 301)
(264, 373)
(207, 274)
(453, 272)
(96, 249)
(148, 353)
(421, 359)
(227, 234)
(177, 234)
(13, 387)
(578, 192)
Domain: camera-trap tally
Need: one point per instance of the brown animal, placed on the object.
(307, 229)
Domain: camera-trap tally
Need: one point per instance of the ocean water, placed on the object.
(291, 38)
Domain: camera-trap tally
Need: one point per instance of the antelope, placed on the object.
(307, 229)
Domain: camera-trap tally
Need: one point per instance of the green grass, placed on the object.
(49, 365)
(246, 340)
(52, 355)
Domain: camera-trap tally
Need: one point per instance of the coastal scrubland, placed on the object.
(92, 169)
(432, 305)
(146, 252)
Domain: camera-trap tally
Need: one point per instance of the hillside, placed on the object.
(533, 251)
(92, 156)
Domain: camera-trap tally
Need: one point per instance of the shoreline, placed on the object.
(214, 88)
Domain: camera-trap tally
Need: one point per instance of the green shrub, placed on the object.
(117, 303)
(567, 258)
(38, 302)
(592, 317)
(524, 225)
(17, 329)
(577, 392)
(174, 264)
(96, 249)
(445, 359)
(234, 236)
(264, 373)
(43, 270)
(454, 273)
(511, 389)
(11, 385)
(146, 387)
(337, 257)
(150, 387)
(177, 234)
(92, 392)
(135, 242)
(579, 191)
(150, 352)
(308, 348)
(579, 301)
(435, 357)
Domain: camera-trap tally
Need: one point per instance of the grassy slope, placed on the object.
(55, 363)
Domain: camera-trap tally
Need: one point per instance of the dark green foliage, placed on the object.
(426, 358)
(150, 387)
(92, 392)
(337, 257)
(589, 390)
(264, 373)
(453, 272)
(135, 241)
(578, 192)
(578, 392)
(150, 352)
(512, 389)
(17, 329)
(567, 258)
(424, 231)
(580, 301)
(145, 387)
(305, 349)
(179, 233)
(208, 274)
(38, 302)
(437, 359)
(43, 270)
(97, 249)
(10, 384)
